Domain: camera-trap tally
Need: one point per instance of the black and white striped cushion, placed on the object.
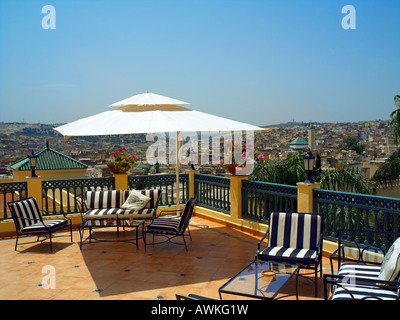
(293, 235)
(47, 225)
(101, 214)
(115, 213)
(359, 270)
(135, 214)
(294, 230)
(289, 253)
(165, 224)
(104, 199)
(360, 291)
(25, 213)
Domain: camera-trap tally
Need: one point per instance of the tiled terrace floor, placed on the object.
(116, 270)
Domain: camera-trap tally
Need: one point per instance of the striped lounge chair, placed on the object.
(294, 238)
(28, 220)
(359, 278)
(172, 226)
(361, 282)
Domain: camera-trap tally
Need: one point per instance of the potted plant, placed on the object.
(234, 167)
(122, 162)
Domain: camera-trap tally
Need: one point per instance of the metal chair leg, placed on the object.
(316, 280)
(81, 227)
(137, 240)
(51, 243)
(90, 234)
(297, 284)
(184, 241)
(16, 243)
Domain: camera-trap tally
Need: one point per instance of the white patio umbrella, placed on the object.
(151, 113)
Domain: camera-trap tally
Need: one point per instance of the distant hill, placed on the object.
(291, 124)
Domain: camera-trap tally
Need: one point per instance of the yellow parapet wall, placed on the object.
(253, 227)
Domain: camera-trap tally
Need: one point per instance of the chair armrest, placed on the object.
(348, 239)
(52, 212)
(259, 242)
(81, 205)
(319, 248)
(169, 211)
(320, 244)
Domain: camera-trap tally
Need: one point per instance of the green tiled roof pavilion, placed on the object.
(49, 159)
(299, 143)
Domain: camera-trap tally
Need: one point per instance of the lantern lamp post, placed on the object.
(309, 161)
(32, 163)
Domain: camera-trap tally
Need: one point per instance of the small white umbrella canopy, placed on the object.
(148, 98)
(151, 113)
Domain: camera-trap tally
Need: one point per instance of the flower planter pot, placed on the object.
(231, 168)
(111, 166)
(238, 171)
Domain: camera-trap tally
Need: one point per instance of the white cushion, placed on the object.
(390, 267)
(135, 201)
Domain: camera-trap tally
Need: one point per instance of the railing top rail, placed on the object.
(358, 195)
(369, 202)
(220, 180)
(272, 188)
(165, 178)
(157, 175)
(249, 182)
(79, 179)
(4, 186)
(199, 175)
(12, 182)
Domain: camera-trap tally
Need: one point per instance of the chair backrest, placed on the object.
(25, 212)
(186, 215)
(154, 195)
(115, 198)
(104, 199)
(295, 230)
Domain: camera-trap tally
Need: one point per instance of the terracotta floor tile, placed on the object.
(118, 271)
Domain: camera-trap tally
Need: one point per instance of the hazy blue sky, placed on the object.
(257, 61)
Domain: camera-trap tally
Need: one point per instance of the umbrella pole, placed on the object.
(177, 174)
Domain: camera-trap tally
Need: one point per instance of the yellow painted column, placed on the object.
(35, 189)
(236, 196)
(305, 199)
(191, 174)
(121, 181)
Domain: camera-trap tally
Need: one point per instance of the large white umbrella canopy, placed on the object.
(150, 113)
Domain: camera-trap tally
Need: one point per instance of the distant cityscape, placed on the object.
(17, 140)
